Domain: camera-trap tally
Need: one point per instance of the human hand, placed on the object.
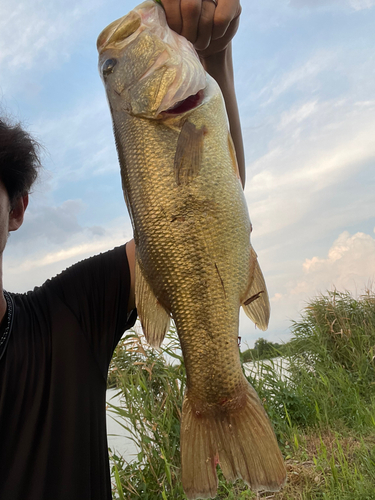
(209, 25)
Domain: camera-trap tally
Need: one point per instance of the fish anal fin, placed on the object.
(256, 303)
(188, 157)
(154, 318)
(240, 439)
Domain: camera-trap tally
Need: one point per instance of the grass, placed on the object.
(151, 391)
(322, 408)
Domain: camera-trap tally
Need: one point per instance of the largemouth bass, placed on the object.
(194, 260)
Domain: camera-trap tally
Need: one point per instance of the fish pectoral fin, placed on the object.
(256, 304)
(154, 318)
(240, 439)
(188, 157)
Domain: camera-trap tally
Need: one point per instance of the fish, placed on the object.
(194, 260)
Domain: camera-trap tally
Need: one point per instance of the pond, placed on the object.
(118, 437)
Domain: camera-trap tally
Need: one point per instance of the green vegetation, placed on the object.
(322, 407)
(263, 349)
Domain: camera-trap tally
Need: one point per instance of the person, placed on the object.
(56, 341)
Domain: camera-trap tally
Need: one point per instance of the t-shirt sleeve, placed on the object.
(96, 291)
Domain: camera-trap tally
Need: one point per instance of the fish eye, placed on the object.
(108, 66)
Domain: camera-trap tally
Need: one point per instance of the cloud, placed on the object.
(361, 4)
(52, 231)
(315, 4)
(80, 140)
(310, 179)
(317, 156)
(32, 31)
(33, 255)
(297, 114)
(54, 224)
(350, 264)
(311, 3)
(303, 75)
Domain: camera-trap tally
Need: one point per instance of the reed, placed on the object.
(151, 392)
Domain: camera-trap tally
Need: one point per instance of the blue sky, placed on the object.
(305, 80)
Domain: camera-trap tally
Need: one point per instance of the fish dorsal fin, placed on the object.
(154, 318)
(256, 304)
(188, 157)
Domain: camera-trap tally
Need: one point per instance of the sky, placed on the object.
(305, 83)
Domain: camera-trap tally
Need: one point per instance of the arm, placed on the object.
(220, 67)
(211, 28)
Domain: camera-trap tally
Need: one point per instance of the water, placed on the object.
(118, 438)
(256, 368)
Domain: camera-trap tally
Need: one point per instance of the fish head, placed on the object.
(147, 68)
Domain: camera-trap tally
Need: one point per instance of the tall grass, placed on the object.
(151, 391)
(322, 407)
(333, 358)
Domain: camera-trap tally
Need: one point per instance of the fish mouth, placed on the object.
(191, 102)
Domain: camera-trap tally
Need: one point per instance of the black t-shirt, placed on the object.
(53, 442)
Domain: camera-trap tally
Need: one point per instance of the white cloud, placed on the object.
(55, 224)
(32, 30)
(81, 140)
(361, 4)
(29, 262)
(350, 264)
(354, 4)
(297, 114)
(317, 147)
(38, 37)
(304, 75)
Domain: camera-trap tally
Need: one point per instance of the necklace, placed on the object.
(8, 328)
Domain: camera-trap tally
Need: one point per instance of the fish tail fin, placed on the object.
(239, 438)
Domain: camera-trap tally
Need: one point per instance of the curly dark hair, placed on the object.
(19, 159)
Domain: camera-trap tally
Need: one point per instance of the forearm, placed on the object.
(220, 67)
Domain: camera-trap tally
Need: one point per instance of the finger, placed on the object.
(206, 22)
(231, 31)
(225, 12)
(173, 14)
(190, 13)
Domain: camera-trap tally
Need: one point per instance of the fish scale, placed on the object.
(194, 260)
